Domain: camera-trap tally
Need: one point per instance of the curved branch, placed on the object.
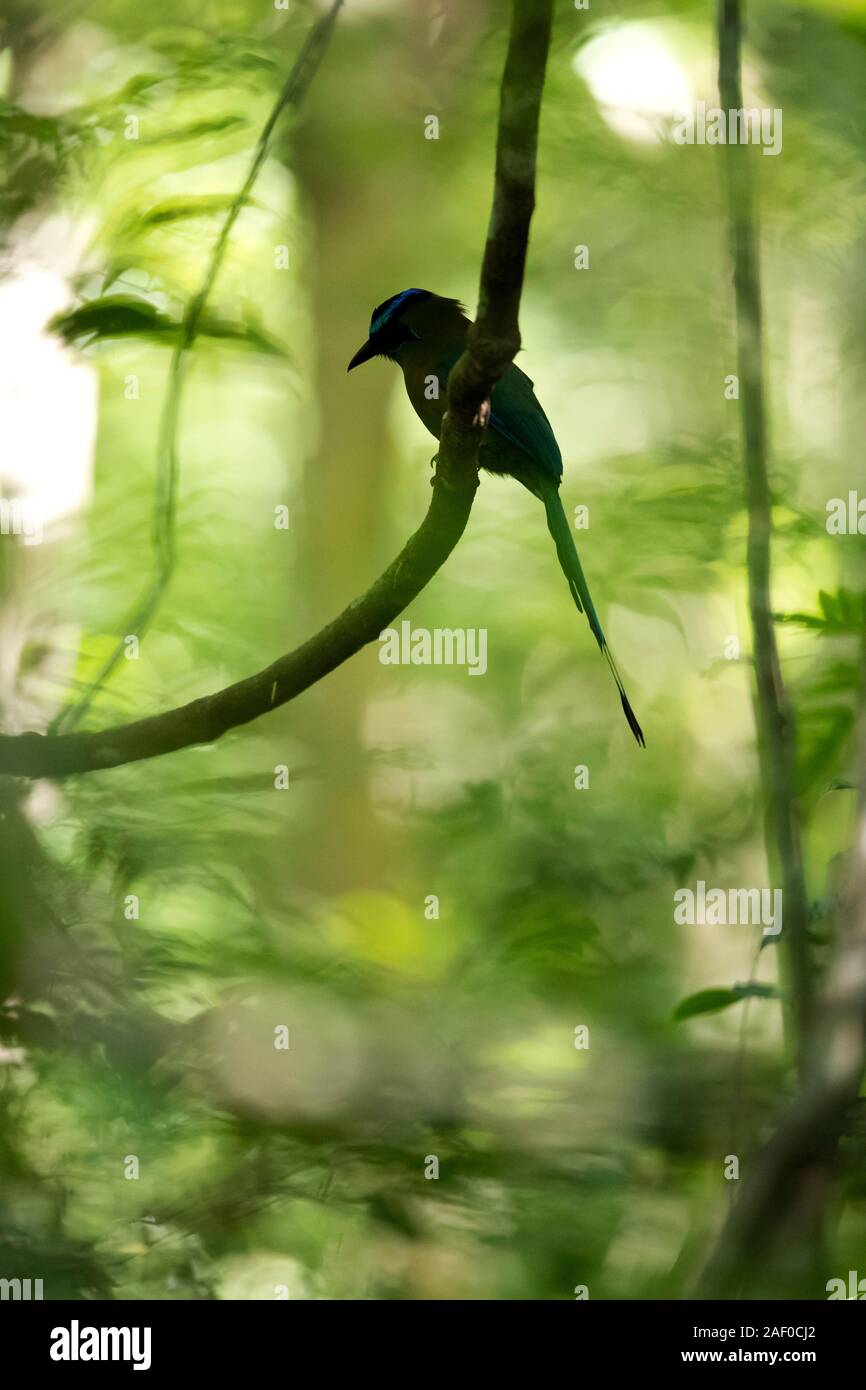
(492, 344)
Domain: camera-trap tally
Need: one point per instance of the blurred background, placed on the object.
(239, 1023)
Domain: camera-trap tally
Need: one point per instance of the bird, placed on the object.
(425, 334)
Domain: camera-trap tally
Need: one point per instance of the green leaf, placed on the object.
(195, 130)
(711, 1001)
(118, 316)
(179, 209)
(829, 607)
(706, 1001)
(842, 612)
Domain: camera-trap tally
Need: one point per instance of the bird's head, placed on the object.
(411, 316)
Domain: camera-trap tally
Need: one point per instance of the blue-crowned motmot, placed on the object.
(425, 335)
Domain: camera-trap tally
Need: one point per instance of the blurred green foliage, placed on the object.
(160, 921)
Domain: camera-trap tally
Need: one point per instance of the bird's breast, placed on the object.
(427, 390)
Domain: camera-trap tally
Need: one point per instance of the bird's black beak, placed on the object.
(370, 349)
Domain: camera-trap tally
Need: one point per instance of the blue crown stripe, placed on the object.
(391, 309)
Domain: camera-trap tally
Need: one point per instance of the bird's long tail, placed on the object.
(557, 524)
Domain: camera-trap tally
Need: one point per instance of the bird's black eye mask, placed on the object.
(394, 336)
(388, 332)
